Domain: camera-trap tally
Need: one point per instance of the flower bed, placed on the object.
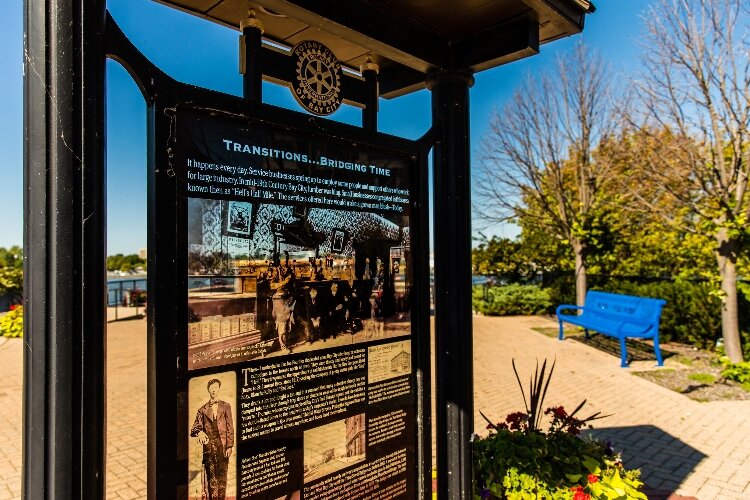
(519, 460)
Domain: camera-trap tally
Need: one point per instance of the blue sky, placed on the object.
(198, 52)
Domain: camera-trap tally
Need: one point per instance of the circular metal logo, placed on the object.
(317, 86)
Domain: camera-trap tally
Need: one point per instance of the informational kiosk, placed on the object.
(288, 348)
(288, 294)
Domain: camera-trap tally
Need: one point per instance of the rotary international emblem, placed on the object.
(317, 86)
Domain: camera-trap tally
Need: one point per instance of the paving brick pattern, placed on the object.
(11, 400)
(126, 409)
(692, 448)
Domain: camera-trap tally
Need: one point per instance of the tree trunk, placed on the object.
(580, 264)
(726, 255)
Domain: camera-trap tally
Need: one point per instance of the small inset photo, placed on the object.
(212, 458)
(237, 218)
(337, 241)
(387, 361)
(332, 447)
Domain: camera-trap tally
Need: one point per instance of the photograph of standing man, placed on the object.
(214, 429)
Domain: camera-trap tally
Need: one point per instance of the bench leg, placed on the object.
(586, 334)
(657, 351)
(623, 353)
(560, 336)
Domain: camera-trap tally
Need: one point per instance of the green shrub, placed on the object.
(739, 372)
(561, 290)
(11, 324)
(745, 339)
(11, 281)
(511, 300)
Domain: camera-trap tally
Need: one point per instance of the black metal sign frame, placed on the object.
(167, 241)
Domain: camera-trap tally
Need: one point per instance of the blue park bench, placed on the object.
(618, 316)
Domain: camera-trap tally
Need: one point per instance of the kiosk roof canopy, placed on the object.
(408, 39)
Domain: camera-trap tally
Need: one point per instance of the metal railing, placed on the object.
(126, 298)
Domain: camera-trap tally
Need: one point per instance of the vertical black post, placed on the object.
(420, 241)
(251, 62)
(65, 292)
(452, 246)
(370, 112)
(166, 309)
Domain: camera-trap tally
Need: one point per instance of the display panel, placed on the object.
(299, 326)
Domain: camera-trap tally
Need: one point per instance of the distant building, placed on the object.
(143, 253)
(355, 435)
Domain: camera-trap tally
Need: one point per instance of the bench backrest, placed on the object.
(615, 305)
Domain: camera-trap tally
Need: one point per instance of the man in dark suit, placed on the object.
(214, 430)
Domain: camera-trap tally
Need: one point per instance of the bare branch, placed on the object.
(697, 86)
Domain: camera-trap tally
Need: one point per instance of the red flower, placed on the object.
(560, 412)
(13, 307)
(516, 419)
(572, 429)
(592, 478)
(579, 494)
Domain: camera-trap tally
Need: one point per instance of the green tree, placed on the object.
(503, 258)
(697, 85)
(641, 243)
(538, 166)
(11, 257)
(11, 271)
(550, 253)
(114, 262)
(125, 263)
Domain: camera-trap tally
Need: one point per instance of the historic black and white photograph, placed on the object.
(386, 361)
(333, 446)
(300, 280)
(212, 456)
(338, 240)
(238, 218)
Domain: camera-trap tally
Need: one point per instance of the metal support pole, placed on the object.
(370, 112)
(251, 62)
(64, 439)
(452, 246)
(167, 460)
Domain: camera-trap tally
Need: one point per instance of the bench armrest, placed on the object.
(566, 306)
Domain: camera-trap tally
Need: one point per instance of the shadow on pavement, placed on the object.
(637, 350)
(120, 313)
(664, 461)
(127, 318)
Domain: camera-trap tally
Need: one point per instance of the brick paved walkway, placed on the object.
(694, 448)
(11, 399)
(126, 409)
